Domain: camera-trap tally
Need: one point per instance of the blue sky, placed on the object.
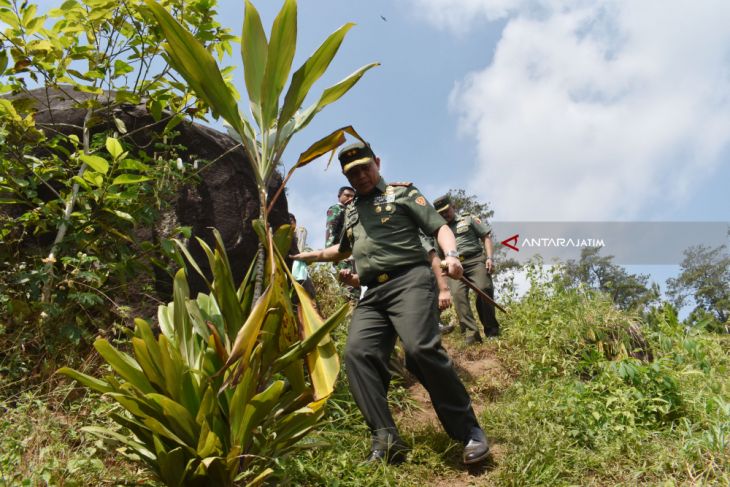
(548, 110)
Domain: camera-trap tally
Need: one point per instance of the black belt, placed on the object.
(384, 277)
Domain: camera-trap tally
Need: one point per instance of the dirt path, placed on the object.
(485, 379)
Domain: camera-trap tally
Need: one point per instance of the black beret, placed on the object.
(354, 155)
(442, 203)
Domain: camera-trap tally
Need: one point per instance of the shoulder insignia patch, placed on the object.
(421, 201)
(401, 184)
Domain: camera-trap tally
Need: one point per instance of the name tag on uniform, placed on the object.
(390, 194)
(379, 200)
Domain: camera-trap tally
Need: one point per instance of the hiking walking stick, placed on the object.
(479, 292)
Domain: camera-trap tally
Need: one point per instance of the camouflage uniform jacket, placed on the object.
(335, 221)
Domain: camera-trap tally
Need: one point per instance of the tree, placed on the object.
(469, 204)
(70, 201)
(628, 291)
(705, 278)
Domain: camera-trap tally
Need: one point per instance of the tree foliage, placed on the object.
(71, 200)
(469, 204)
(628, 291)
(704, 279)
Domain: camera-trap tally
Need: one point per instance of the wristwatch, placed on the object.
(452, 253)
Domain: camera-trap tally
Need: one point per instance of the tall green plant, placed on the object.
(267, 64)
(193, 424)
(238, 375)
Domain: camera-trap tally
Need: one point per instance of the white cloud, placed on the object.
(593, 109)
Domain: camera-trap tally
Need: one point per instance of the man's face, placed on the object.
(364, 177)
(448, 214)
(346, 196)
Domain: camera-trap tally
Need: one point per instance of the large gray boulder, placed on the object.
(223, 197)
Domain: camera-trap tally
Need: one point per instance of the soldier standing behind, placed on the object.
(335, 222)
(474, 243)
(381, 232)
(336, 215)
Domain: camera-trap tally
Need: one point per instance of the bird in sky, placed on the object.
(384, 19)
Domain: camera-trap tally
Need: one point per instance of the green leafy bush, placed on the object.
(583, 410)
(222, 390)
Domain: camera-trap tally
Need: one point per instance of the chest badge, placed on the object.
(390, 194)
(421, 201)
(384, 219)
(378, 209)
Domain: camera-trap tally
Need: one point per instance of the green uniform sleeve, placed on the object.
(423, 213)
(482, 229)
(345, 237)
(427, 242)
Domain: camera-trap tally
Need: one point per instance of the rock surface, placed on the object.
(223, 197)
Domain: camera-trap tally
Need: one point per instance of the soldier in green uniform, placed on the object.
(381, 233)
(476, 250)
(335, 222)
(442, 282)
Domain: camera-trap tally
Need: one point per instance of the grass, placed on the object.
(41, 442)
(570, 405)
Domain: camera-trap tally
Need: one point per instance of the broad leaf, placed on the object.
(198, 67)
(177, 417)
(123, 365)
(332, 94)
(96, 163)
(114, 147)
(325, 145)
(130, 179)
(107, 434)
(254, 51)
(87, 380)
(312, 69)
(257, 409)
(189, 259)
(278, 63)
(246, 338)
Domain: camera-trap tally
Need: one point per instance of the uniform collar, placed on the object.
(380, 186)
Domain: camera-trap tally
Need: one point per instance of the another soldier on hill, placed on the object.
(335, 222)
(381, 233)
(336, 215)
(474, 243)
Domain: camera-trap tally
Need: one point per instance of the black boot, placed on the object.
(477, 447)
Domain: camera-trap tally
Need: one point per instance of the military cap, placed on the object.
(355, 154)
(442, 203)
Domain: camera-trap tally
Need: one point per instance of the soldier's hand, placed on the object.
(453, 267)
(489, 265)
(444, 299)
(303, 256)
(346, 276)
